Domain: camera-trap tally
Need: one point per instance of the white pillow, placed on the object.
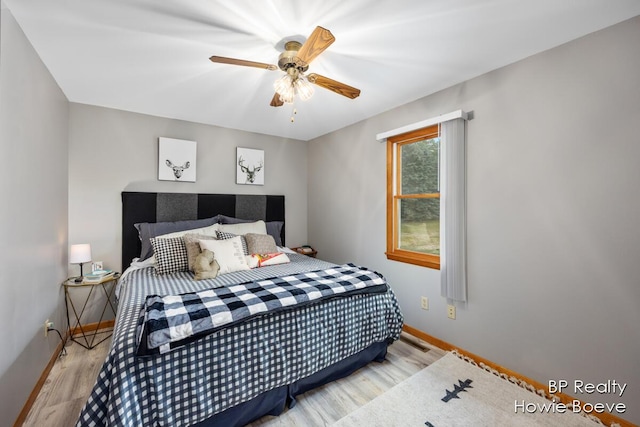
(263, 260)
(258, 227)
(228, 253)
(206, 231)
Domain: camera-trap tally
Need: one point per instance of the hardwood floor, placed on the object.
(72, 377)
(326, 405)
(68, 386)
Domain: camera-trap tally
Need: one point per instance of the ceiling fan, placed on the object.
(294, 61)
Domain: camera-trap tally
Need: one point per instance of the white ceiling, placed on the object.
(151, 56)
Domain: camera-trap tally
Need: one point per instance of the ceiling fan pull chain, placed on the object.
(293, 113)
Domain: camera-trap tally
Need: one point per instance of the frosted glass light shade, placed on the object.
(284, 88)
(80, 253)
(304, 89)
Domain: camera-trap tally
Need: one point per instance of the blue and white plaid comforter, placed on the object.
(234, 364)
(172, 321)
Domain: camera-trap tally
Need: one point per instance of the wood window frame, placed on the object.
(394, 194)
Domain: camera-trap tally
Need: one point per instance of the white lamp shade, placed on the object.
(79, 254)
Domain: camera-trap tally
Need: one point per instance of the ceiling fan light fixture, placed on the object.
(304, 89)
(283, 84)
(284, 87)
(290, 85)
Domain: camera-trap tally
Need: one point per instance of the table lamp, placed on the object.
(79, 254)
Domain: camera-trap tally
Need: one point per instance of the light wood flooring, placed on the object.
(72, 377)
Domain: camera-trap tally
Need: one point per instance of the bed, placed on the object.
(250, 367)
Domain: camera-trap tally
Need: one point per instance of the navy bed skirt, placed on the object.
(273, 402)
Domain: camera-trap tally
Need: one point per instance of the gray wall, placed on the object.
(111, 151)
(33, 215)
(553, 206)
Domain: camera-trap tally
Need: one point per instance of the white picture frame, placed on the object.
(249, 166)
(176, 160)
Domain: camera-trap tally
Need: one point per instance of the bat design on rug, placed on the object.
(462, 386)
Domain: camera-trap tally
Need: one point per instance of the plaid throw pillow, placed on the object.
(171, 255)
(223, 235)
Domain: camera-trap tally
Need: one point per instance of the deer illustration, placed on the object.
(177, 170)
(251, 174)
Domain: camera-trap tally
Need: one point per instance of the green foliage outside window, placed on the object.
(420, 217)
(420, 167)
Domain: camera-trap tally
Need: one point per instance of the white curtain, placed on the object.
(453, 260)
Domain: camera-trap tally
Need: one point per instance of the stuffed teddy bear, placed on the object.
(205, 266)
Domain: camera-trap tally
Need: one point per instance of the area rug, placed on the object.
(454, 392)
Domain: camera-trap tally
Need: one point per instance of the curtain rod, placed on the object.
(458, 114)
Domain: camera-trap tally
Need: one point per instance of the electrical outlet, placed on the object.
(48, 324)
(451, 311)
(424, 303)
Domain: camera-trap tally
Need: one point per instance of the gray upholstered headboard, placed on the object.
(159, 207)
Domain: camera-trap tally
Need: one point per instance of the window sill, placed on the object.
(429, 261)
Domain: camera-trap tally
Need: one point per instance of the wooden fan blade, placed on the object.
(318, 41)
(337, 87)
(233, 61)
(275, 101)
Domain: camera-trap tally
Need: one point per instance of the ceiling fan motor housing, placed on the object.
(288, 60)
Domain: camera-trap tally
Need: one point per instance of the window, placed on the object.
(413, 197)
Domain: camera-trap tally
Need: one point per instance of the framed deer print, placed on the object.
(176, 160)
(249, 166)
